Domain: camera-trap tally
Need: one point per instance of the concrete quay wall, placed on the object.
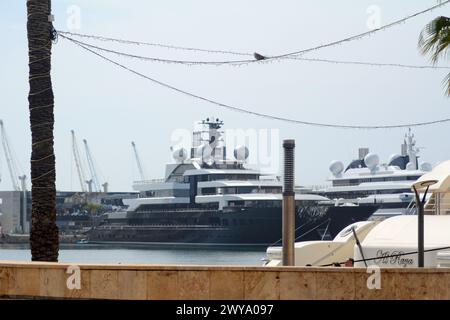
(167, 282)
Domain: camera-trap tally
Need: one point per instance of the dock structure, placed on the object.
(164, 282)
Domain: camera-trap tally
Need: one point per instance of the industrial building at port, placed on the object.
(75, 210)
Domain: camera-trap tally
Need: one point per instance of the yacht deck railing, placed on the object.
(439, 203)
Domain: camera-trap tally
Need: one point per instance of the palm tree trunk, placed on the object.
(44, 240)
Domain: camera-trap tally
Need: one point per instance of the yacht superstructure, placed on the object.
(207, 198)
(386, 185)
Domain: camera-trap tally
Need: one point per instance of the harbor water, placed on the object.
(154, 255)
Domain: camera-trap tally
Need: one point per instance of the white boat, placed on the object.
(392, 242)
(388, 243)
(323, 253)
(368, 181)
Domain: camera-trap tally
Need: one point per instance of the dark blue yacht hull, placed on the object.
(239, 226)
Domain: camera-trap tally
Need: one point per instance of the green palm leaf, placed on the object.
(435, 40)
(446, 83)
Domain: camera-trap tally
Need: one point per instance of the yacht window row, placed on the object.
(239, 190)
(363, 193)
(355, 182)
(166, 193)
(226, 176)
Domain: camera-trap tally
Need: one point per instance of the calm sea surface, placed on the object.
(106, 254)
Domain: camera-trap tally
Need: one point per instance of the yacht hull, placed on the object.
(247, 226)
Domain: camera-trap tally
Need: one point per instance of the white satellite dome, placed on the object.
(241, 153)
(180, 155)
(336, 167)
(426, 166)
(410, 166)
(371, 160)
(394, 157)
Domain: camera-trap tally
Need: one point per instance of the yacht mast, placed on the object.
(410, 143)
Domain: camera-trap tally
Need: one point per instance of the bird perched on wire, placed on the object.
(259, 56)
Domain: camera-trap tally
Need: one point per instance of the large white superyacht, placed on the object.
(207, 198)
(367, 181)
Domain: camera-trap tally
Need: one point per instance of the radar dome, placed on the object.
(393, 157)
(180, 155)
(426, 166)
(241, 153)
(336, 167)
(410, 166)
(371, 160)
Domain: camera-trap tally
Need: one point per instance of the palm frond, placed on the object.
(446, 83)
(435, 38)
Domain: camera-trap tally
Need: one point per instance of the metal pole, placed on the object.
(288, 204)
(420, 240)
(359, 246)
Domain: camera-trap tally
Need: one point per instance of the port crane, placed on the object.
(138, 162)
(80, 169)
(15, 177)
(92, 169)
(12, 162)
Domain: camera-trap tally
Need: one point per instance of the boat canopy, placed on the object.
(440, 174)
(401, 232)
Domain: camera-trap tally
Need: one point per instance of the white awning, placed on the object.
(440, 175)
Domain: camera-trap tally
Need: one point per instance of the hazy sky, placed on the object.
(111, 107)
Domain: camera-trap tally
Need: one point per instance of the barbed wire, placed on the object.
(266, 58)
(218, 63)
(254, 113)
